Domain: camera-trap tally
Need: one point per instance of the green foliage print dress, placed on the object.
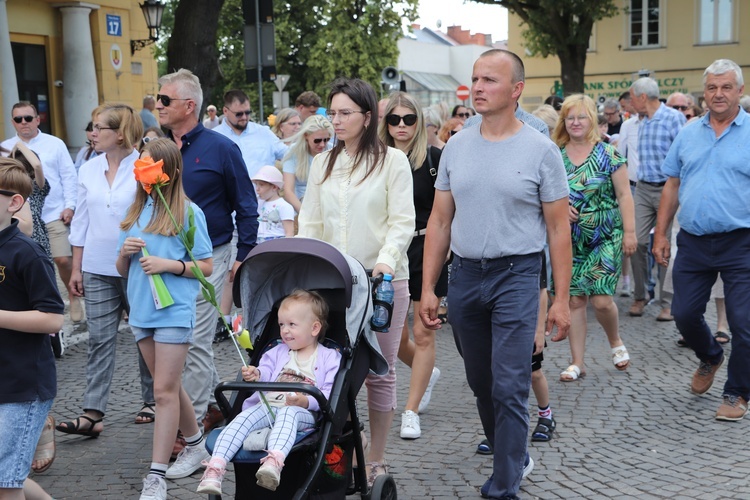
(597, 236)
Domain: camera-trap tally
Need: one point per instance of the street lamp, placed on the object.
(152, 11)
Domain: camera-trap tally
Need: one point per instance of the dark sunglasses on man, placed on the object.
(26, 118)
(166, 100)
(240, 114)
(393, 120)
(680, 108)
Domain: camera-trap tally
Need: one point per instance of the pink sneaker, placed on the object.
(269, 474)
(211, 480)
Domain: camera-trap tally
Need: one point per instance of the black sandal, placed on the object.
(147, 417)
(74, 427)
(544, 429)
(484, 448)
(722, 337)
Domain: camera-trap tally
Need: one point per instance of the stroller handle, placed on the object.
(224, 405)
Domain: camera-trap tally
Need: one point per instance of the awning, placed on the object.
(433, 81)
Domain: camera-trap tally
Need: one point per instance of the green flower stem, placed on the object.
(207, 289)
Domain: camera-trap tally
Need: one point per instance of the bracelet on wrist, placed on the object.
(183, 269)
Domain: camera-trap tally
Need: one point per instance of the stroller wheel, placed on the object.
(384, 488)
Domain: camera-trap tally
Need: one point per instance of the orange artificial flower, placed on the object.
(149, 173)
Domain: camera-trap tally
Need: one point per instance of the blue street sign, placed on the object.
(114, 25)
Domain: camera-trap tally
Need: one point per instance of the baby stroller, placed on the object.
(271, 271)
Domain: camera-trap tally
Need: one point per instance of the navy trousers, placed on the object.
(494, 304)
(699, 261)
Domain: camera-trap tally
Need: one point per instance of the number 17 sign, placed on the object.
(114, 25)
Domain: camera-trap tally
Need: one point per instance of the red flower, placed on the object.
(335, 463)
(149, 173)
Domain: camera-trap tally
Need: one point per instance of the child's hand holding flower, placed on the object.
(131, 245)
(250, 373)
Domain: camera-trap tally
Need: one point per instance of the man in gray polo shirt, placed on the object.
(499, 186)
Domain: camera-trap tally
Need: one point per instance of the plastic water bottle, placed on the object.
(384, 292)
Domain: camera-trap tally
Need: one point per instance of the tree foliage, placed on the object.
(562, 28)
(316, 41)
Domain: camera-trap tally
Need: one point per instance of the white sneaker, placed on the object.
(154, 488)
(528, 467)
(188, 461)
(410, 425)
(625, 289)
(428, 392)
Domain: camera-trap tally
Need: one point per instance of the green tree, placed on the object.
(562, 28)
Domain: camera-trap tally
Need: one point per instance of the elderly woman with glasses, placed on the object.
(106, 188)
(288, 123)
(602, 221)
(310, 141)
(360, 199)
(403, 128)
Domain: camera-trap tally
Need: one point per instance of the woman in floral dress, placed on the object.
(602, 223)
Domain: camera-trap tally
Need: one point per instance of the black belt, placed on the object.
(655, 184)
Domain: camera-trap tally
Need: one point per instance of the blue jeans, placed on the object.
(21, 425)
(494, 308)
(699, 261)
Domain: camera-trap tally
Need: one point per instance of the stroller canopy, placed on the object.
(273, 269)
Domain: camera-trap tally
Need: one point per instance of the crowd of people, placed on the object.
(584, 202)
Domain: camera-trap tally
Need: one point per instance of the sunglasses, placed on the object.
(454, 132)
(318, 141)
(681, 108)
(463, 115)
(7, 193)
(148, 139)
(166, 100)
(393, 120)
(240, 114)
(688, 117)
(26, 118)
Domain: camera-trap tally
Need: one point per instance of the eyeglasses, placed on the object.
(166, 100)
(463, 115)
(318, 141)
(394, 120)
(680, 108)
(428, 125)
(99, 128)
(613, 113)
(26, 118)
(240, 114)
(572, 119)
(7, 193)
(343, 115)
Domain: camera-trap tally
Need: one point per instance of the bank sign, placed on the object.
(614, 88)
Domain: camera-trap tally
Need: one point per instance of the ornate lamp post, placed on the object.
(152, 11)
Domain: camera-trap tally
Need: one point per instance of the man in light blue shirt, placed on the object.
(259, 146)
(709, 177)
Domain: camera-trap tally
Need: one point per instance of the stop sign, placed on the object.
(462, 92)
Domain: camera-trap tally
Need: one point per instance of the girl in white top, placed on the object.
(275, 215)
(359, 199)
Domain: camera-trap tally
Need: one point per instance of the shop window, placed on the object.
(645, 23)
(716, 21)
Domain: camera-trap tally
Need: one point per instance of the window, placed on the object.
(716, 21)
(645, 23)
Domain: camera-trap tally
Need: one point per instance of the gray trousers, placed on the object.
(106, 298)
(199, 378)
(646, 200)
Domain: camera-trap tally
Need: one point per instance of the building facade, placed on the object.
(68, 57)
(672, 41)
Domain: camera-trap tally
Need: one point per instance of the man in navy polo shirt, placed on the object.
(216, 179)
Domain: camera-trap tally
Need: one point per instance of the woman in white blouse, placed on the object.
(359, 199)
(106, 188)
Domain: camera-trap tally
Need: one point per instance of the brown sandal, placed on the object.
(45, 448)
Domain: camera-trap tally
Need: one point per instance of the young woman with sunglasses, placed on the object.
(359, 198)
(311, 140)
(404, 128)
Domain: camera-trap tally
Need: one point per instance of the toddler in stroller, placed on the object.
(300, 358)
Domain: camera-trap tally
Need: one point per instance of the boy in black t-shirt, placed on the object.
(30, 309)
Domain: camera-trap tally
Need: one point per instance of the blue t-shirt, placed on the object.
(184, 290)
(290, 167)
